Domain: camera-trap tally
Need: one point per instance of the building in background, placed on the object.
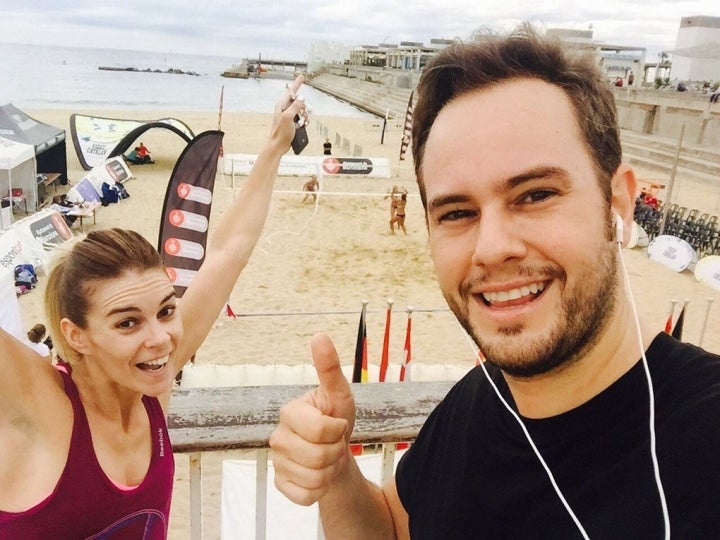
(696, 56)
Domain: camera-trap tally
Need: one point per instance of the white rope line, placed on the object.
(267, 239)
(340, 193)
(350, 312)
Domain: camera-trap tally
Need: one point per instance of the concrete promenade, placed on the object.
(651, 120)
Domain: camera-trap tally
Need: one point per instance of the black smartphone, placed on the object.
(300, 140)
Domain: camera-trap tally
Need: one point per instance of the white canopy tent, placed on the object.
(10, 319)
(18, 170)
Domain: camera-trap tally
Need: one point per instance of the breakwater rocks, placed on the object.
(148, 70)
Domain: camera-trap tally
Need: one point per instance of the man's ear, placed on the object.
(74, 335)
(623, 185)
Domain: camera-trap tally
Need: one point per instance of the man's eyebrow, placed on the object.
(453, 198)
(536, 173)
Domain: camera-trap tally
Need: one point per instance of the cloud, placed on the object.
(284, 28)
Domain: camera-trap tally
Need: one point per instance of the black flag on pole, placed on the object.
(407, 130)
(186, 210)
(360, 366)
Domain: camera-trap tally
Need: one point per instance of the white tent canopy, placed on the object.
(18, 169)
(14, 153)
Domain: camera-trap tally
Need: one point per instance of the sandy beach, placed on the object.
(316, 264)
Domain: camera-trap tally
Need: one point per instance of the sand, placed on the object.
(314, 265)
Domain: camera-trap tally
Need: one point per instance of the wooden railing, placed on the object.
(233, 418)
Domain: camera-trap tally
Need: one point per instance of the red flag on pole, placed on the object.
(407, 130)
(668, 323)
(405, 368)
(386, 342)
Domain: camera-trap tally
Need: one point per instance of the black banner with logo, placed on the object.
(186, 210)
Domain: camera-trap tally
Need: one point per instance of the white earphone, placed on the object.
(619, 229)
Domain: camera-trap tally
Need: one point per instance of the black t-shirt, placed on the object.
(472, 474)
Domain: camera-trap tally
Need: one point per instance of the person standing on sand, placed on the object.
(310, 188)
(583, 422)
(394, 194)
(85, 448)
(398, 210)
(327, 147)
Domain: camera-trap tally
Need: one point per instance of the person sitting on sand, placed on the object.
(144, 154)
(311, 187)
(133, 156)
(398, 205)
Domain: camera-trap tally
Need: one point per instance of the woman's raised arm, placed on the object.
(233, 241)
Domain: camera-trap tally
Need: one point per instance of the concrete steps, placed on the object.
(702, 163)
(372, 97)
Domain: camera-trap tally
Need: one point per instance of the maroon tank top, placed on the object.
(85, 503)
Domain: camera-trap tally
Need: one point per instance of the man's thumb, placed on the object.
(327, 364)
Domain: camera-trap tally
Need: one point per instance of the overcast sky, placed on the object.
(282, 28)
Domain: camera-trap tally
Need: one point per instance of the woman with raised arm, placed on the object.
(85, 448)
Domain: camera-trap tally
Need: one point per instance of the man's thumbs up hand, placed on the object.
(310, 444)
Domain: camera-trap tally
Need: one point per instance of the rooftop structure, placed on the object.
(696, 56)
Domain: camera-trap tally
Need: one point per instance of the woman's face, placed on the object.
(133, 328)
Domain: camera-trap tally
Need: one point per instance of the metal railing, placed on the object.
(243, 417)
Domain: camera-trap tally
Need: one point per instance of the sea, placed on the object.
(56, 77)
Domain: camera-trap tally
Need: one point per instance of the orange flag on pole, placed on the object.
(405, 368)
(386, 342)
(668, 324)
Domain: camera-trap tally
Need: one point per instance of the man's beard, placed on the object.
(584, 314)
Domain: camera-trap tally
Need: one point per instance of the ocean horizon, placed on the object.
(45, 77)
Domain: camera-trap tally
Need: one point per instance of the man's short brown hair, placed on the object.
(489, 60)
